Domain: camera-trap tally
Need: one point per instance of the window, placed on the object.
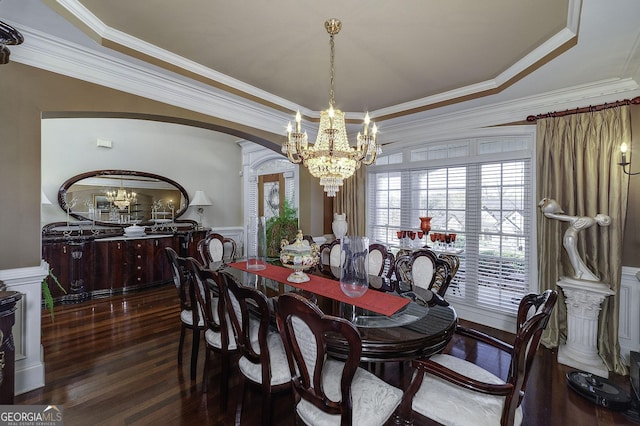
(479, 189)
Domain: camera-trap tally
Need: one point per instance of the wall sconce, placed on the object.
(624, 163)
(200, 200)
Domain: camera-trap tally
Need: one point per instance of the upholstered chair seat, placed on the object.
(374, 400)
(456, 405)
(279, 368)
(457, 392)
(329, 391)
(263, 362)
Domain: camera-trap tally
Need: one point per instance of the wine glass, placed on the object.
(447, 241)
(399, 234)
(442, 241)
(433, 237)
(412, 236)
(420, 234)
(453, 240)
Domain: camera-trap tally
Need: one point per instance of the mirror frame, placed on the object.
(62, 192)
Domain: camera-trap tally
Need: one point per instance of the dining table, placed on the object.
(395, 322)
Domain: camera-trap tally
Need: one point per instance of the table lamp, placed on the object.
(200, 200)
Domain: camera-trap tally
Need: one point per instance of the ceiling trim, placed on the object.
(139, 49)
(63, 57)
(105, 68)
(422, 128)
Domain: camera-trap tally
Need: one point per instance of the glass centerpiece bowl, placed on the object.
(299, 255)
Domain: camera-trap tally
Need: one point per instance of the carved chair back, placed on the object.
(303, 327)
(381, 261)
(423, 268)
(212, 248)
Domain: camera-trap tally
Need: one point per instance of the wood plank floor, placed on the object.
(113, 361)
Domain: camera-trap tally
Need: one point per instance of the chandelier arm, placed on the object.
(295, 160)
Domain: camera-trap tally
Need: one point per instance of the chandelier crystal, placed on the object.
(121, 199)
(331, 158)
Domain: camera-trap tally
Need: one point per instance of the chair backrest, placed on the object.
(381, 261)
(215, 315)
(179, 279)
(423, 268)
(533, 315)
(329, 256)
(244, 303)
(303, 327)
(212, 248)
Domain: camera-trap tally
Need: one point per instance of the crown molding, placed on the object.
(419, 127)
(536, 56)
(111, 69)
(57, 55)
(551, 45)
(105, 32)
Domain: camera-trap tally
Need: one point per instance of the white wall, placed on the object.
(197, 159)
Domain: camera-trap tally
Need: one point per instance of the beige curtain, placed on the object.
(351, 200)
(577, 158)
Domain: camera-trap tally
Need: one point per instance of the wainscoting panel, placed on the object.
(629, 331)
(29, 366)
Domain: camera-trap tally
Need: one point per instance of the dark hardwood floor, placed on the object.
(113, 361)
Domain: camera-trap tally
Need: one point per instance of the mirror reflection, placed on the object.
(123, 197)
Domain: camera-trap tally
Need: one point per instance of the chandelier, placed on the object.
(331, 158)
(121, 198)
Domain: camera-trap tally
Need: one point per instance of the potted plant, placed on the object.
(283, 226)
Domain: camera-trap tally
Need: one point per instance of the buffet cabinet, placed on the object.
(89, 267)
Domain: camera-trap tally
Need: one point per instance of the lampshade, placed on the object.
(200, 199)
(43, 198)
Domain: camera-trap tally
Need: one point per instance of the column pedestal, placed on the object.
(584, 300)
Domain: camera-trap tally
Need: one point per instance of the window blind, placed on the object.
(487, 204)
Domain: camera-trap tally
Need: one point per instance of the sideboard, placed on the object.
(91, 264)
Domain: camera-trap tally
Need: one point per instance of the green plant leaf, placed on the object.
(46, 292)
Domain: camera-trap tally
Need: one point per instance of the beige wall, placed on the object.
(631, 246)
(26, 94)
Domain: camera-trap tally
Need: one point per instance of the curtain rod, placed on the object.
(591, 108)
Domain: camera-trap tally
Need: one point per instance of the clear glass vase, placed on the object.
(354, 267)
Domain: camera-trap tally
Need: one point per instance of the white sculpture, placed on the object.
(551, 209)
(584, 294)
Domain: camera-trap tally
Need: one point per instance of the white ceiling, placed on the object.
(392, 58)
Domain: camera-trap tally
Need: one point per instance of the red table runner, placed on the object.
(376, 301)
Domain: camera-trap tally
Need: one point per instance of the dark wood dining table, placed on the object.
(415, 330)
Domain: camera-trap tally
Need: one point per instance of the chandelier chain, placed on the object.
(332, 70)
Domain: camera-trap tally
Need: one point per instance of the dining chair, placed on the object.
(190, 318)
(219, 334)
(330, 256)
(381, 261)
(452, 390)
(212, 248)
(423, 268)
(328, 391)
(263, 362)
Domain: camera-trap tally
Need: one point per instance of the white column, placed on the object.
(584, 300)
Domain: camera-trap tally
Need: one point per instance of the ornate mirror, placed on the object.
(123, 197)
